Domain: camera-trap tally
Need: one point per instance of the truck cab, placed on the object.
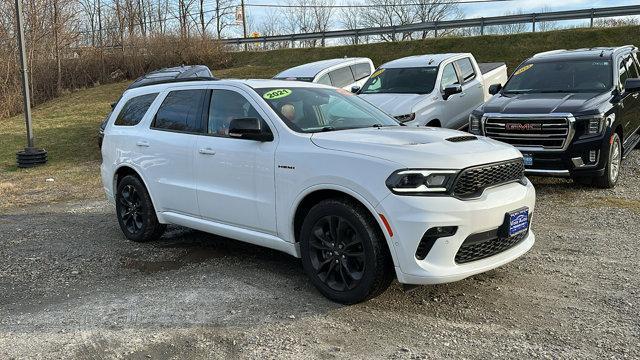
(432, 90)
(572, 113)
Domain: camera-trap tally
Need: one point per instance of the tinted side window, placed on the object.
(324, 79)
(225, 106)
(342, 77)
(181, 110)
(133, 111)
(632, 67)
(623, 73)
(466, 69)
(361, 71)
(449, 76)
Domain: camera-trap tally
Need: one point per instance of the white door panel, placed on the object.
(167, 160)
(236, 182)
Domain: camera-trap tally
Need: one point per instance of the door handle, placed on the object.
(635, 96)
(143, 143)
(462, 94)
(207, 151)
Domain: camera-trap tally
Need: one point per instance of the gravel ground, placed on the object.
(71, 286)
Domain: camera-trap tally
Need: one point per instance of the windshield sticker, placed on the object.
(377, 73)
(600, 63)
(277, 94)
(523, 69)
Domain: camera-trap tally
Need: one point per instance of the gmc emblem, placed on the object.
(524, 127)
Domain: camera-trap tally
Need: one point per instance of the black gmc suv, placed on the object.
(572, 113)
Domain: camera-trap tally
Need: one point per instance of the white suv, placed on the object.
(320, 174)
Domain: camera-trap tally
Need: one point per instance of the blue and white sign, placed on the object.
(518, 222)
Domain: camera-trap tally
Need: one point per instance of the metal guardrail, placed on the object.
(436, 26)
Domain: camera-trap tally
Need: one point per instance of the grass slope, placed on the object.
(511, 49)
(67, 126)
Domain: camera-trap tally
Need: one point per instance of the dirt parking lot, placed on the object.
(72, 286)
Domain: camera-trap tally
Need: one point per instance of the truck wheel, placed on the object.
(136, 214)
(612, 171)
(343, 252)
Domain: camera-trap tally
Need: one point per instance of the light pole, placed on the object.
(30, 156)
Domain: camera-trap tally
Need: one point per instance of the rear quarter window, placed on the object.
(133, 111)
(342, 77)
(361, 70)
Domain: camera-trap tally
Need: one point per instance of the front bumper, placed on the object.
(411, 216)
(574, 161)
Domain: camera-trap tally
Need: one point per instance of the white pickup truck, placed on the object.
(432, 90)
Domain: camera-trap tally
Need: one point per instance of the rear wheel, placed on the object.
(612, 169)
(136, 214)
(343, 252)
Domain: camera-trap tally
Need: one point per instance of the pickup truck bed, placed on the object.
(492, 73)
(487, 67)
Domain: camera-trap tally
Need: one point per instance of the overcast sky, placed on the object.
(484, 9)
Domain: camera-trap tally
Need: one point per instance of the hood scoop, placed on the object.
(462, 138)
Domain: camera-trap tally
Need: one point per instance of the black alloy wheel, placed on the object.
(131, 209)
(136, 214)
(344, 252)
(337, 253)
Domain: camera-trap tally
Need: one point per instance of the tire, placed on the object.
(612, 170)
(135, 211)
(344, 253)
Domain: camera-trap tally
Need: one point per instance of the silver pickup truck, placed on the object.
(433, 90)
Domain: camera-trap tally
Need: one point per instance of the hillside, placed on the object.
(511, 49)
(67, 126)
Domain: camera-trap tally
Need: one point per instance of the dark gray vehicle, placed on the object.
(182, 72)
(572, 113)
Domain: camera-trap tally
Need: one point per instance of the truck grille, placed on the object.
(548, 133)
(472, 181)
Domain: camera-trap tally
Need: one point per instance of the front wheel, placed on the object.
(343, 252)
(136, 214)
(612, 170)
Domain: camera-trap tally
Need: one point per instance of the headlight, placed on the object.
(595, 125)
(474, 124)
(421, 181)
(406, 117)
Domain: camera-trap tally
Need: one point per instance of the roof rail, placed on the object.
(549, 52)
(625, 47)
(178, 80)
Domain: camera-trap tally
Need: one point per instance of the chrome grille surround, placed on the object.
(555, 131)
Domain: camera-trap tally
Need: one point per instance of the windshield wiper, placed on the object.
(553, 91)
(327, 128)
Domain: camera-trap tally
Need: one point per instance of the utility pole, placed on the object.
(30, 156)
(244, 23)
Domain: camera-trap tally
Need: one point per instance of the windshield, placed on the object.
(312, 110)
(419, 80)
(561, 76)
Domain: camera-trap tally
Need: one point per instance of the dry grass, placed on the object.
(67, 128)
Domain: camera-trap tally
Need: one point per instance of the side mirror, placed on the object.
(451, 90)
(632, 85)
(495, 88)
(250, 129)
(113, 105)
(355, 89)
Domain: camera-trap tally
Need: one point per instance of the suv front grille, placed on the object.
(484, 245)
(472, 181)
(548, 133)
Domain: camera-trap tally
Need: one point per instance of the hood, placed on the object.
(395, 104)
(573, 103)
(417, 147)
